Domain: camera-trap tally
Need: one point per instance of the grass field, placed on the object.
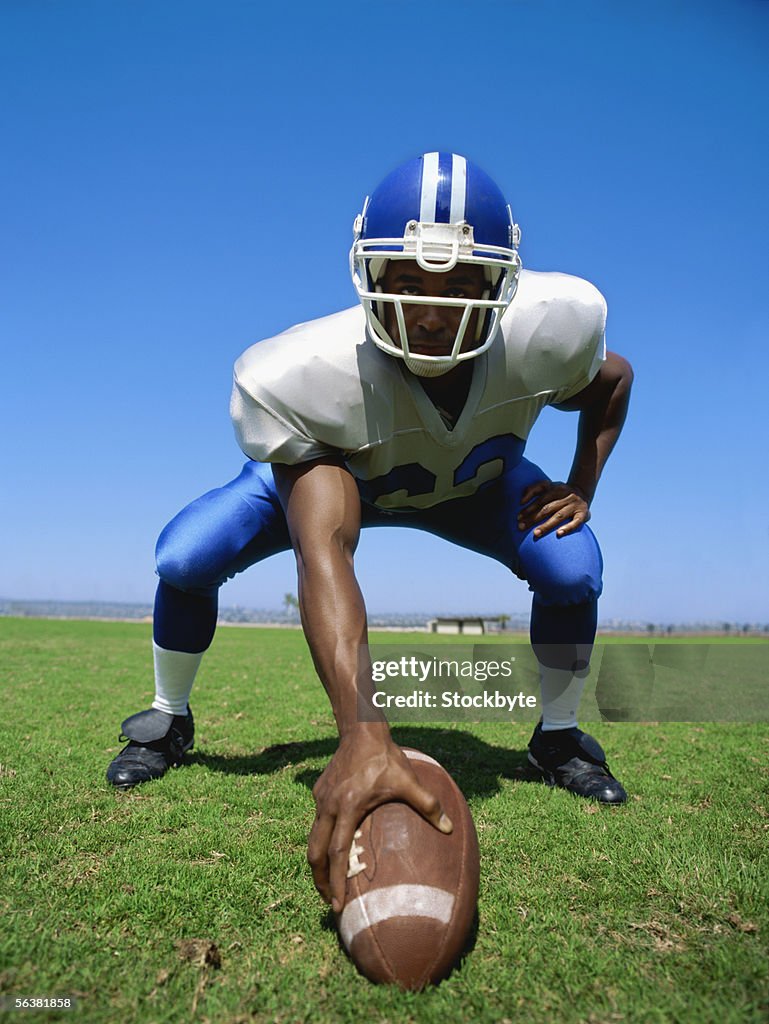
(190, 899)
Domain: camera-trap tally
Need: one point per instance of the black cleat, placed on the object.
(571, 759)
(157, 741)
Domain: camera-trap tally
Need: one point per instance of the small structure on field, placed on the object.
(464, 625)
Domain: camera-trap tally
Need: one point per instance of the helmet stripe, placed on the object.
(458, 189)
(443, 199)
(429, 190)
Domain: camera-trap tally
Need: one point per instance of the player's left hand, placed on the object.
(553, 505)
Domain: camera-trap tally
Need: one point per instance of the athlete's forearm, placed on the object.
(334, 621)
(323, 513)
(600, 425)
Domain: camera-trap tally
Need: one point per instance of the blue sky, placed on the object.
(179, 178)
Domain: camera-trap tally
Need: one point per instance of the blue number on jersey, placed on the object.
(414, 479)
(505, 448)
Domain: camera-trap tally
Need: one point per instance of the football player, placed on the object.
(411, 408)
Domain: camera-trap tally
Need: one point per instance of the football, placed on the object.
(412, 891)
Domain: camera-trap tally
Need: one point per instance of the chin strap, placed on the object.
(432, 369)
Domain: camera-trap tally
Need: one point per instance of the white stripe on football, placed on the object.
(394, 901)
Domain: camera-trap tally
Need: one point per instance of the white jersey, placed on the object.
(323, 387)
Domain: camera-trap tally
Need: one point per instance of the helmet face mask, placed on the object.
(438, 212)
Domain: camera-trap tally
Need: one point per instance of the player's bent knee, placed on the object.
(564, 570)
(179, 572)
(182, 563)
(202, 546)
(572, 590)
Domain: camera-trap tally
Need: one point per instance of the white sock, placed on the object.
(174, 676)
(560, 691)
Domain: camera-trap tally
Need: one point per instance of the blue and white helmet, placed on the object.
(440, 210)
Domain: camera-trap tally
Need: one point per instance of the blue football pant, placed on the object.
(232, 527)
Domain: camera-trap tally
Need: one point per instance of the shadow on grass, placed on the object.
(477, 767)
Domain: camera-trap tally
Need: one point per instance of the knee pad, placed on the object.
(180, 563)
(195, 551)
(577, 589)
(222, 533)
(563, 570)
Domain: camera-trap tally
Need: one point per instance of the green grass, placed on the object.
(652, 912)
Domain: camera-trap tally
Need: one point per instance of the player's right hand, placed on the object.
(368, 769)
